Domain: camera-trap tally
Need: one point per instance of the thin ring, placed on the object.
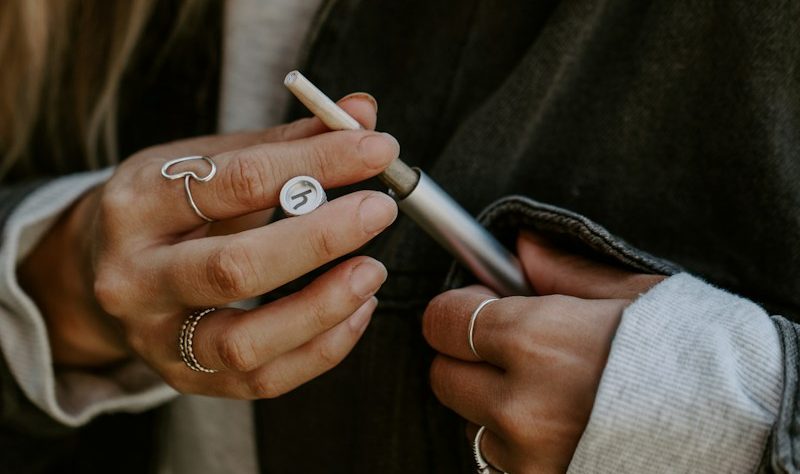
(186, 341)
(188, 176)
(483, 465)
(471, 332)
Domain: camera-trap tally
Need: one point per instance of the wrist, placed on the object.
(57, 276)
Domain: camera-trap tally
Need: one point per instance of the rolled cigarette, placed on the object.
(399, 177)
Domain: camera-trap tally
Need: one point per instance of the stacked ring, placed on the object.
(483, 465)
(186, 341)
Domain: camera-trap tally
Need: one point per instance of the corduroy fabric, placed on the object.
(672, 124)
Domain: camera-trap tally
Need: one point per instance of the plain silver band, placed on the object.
(471, 332)
(483, 466)
(186, 341)
(191, 200)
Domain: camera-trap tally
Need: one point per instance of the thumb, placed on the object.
(554, 271)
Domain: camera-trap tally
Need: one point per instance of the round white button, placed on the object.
(301, 195)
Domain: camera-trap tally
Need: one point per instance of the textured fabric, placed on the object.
(73, 397)
(693, 383)
(785, 456)
(672, 124)
(207, 435)
(11, 196)
(262, 43)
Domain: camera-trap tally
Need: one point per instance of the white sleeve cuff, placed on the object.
(693, 384)
(73, 397)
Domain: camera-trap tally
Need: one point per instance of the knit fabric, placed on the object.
(693, 384)
(74, 397)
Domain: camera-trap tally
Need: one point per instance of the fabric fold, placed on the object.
(73, 397)
(693, 384)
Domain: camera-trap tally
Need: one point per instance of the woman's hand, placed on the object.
(541, 357)
(121, 271)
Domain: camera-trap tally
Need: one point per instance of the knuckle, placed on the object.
(317, 319)
(140, 343)
(115, 200)
(429, 320)
(247, 180)
(432, 320)
(523, 344)
(509, 421)
(265, 386)
(330, 354)
(236, 351)
(174, 382)
(437, 303)
(290, 131)
(324, 158)
(440, 389)
(638, 283)
(227, 271)
(324, 244)
(428, 326)
(557, 300)
(109, 292)
(281, 133)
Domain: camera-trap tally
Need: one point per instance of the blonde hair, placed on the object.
(62, 64)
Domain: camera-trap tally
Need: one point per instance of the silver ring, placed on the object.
(483, 466)
(188, 176)
(471, 333)
(186, 341)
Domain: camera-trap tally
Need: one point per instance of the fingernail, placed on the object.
(362, 95)
(378, 149)
(359, 320)
(367, 277)
(376, 212)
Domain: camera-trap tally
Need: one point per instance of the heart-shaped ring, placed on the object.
(188, 176)
(165, 169)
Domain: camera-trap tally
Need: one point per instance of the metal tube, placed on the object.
(458, 232)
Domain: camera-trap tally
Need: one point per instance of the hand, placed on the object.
(541, 357)
(118, 275)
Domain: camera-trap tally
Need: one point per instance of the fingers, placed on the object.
(218, 270)
(554, 271)
(445, 325)
(281, 375)
(250, 179)
(470, 389)
(242, 342)
(361, 106)
(312, 359)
